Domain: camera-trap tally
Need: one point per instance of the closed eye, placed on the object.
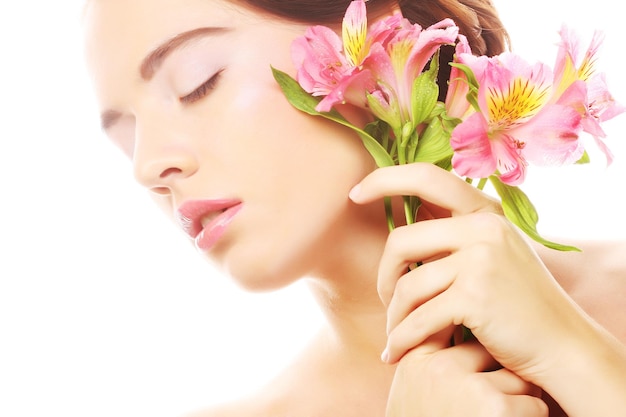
(203, 90)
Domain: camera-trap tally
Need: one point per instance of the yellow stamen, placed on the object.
(587, 68)
(354, 31)
(520, 101)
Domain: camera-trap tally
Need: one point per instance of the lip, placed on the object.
(205, 221)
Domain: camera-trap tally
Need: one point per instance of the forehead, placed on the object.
(118, 34)
(144, 19)
(115, 26)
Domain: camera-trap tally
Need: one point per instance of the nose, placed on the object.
(162, 158)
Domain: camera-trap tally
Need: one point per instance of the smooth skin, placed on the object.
(209, 122)
(486, 276)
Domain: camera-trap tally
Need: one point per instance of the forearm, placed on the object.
(588, 376)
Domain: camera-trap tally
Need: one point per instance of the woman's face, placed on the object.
(186, 91)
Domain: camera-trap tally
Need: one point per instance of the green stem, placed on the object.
(393, 149)
(409, 215)
(413, 146)
(389, 212)
(481, 183)
(402, 143)
(401, 155)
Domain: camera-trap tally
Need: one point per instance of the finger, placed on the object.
(434, 344)
(427, 181)
(418, 286)
(434, 211)
(473, 357)
(431, 318)
(466, 358)
(429, 239)
(509, 383)
(521, 406)
(428, 212)
(413, 243)
(480, 358)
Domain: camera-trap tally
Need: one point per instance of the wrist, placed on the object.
(588, 377)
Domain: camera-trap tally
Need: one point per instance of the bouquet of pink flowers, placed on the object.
(500, 113)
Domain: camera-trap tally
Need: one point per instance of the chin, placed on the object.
(259, 277)
(257, 271)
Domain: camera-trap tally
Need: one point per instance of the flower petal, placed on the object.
(444, 32)
(351, 89)
(513, 91)
(552, 137)
(456, 103)
(318, 60)
(473, 156)
(354, 31)
(384, 29)
(510, 163)
(602, 105)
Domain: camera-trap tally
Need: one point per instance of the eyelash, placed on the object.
(203, 90)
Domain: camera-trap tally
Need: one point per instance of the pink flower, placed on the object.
(318, 58)
(354, 32)
(500, 114)
(330, 66)
(382, 63)
(398, 61)
(456, 102)
(516, 122)
(598, 105)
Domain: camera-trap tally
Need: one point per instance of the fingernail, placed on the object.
(385, 356)
(355, 191)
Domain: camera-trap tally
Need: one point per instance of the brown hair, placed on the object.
(478, 20)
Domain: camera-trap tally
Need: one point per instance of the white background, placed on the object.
(105, 308)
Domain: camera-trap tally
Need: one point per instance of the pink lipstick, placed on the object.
(207, 220)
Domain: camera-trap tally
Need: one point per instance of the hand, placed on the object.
(460, 381)
(478, 271)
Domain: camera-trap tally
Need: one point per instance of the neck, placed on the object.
(346, 291)
(357, 325)
(342, 365)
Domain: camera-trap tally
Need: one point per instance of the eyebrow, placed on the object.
(153, 61)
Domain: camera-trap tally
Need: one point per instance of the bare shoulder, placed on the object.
(598, 260)
(271, 400)
(604, 261)
(285, 395)
(253, 406)
(616, 258)
(596, 279)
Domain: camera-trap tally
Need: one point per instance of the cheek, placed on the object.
(250, 98)
(276, 137)
(257, 113)
(277, 148)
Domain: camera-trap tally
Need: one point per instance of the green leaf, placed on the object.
(379, 129)
(445, 164)
(295, 94)
(303, 101)
(449, 123)
(390, 115)
(434, 144)
(521, 212)
(425, 92)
